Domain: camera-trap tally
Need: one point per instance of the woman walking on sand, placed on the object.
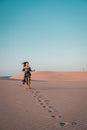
(27, 74)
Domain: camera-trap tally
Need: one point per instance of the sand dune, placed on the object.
(57, 105)
(56, 76)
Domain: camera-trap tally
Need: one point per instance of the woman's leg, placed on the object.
(30, 79)
(27, 79)
(23, 81)
(28, 82)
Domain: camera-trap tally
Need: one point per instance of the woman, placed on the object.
(27, 74)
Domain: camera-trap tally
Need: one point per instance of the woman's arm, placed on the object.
(31, 69)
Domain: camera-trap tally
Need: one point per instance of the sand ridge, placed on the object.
(55, 76)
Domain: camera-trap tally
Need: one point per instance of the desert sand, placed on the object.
(55, 76)
(56, 101)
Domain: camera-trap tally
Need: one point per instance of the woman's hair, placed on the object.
(25, 63)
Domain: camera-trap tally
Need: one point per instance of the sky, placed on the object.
(50, 34)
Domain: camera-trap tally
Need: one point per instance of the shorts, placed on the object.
(27, 75)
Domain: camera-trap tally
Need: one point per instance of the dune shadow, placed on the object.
(8, 78)
(2, 78)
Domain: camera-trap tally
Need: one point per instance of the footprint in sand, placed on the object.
(73, 123)
(39, 100)
(54, 113)
(41, 103)
(68, 123)
(64, 123)
(54, 116)
(50, 107)
(45, 104)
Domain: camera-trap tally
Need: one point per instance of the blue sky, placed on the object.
(50, 34)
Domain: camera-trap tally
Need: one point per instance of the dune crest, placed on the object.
(55, 76)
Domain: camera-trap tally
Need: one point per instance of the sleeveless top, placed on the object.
(27, 72)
